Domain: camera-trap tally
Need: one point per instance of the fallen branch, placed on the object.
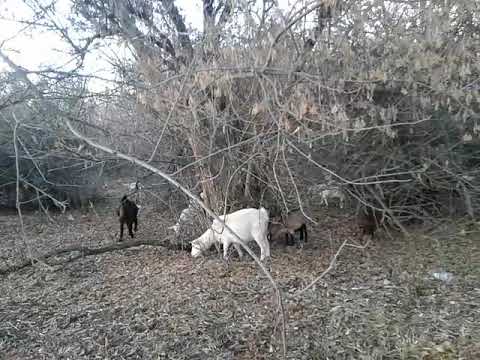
(332, 264)
(85, 251)
(330, 267)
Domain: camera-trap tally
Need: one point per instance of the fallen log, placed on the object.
(84, 251)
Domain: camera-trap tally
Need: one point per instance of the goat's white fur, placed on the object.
(133, 186)
(249, 224)
(329, 192)
(187, 214)
(332, 193)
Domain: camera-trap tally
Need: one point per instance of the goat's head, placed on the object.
(275, 225)
(202, 243)
(196, 248)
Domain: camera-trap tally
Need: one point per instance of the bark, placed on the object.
(213, 199)
(86, 251)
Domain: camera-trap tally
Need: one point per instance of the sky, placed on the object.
(41, 48)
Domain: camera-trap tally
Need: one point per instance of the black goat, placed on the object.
(127, 213)
(369, 221)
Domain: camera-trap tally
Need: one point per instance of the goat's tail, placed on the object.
(264, 219)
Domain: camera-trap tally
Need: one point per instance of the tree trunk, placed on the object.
(213, 198)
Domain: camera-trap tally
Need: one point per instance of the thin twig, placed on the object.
(296, 188)
(330, 267)
(340, 177)
(17, 188)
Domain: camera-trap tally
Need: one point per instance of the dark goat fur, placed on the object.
(127, 214)
(294, 221)
(368, 222)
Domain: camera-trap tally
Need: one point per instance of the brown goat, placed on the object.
(294, 221)
(368, 222)
(127, 213)
(275, 229)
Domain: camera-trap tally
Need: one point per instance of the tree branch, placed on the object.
(86, 251)
(180, 26)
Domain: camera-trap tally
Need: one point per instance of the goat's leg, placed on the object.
(130, 225)
(287, 239)
(262, 251)
(135, 222)
(300, 243)
(265, 253)
(226, 245)
(217, 247)
(238, 247)
(324, 199)
(293, 238)
(121, 231)
(267, 248)
(303, 233)
(264, 245)
(290, 238)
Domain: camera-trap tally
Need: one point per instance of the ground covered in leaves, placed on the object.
(381, 302)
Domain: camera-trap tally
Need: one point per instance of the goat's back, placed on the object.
(368, 221)
(128, 210)
(277, 230)
(295, 219)
(246, 223)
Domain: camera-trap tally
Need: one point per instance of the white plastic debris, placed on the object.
(443, 276)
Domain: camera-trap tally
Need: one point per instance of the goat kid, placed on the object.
(249, 224)
(187, 215)
(368, 221)
(293, 222)
(127, 213)
(329, 192)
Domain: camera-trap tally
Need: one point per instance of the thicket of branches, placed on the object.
(382, 96)
(54, 169)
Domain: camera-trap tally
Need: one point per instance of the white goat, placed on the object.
(187, 214)
(334, 192)
(134, 186)
(329, 192)
(249, 224)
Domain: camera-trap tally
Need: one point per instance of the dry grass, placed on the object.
(378, 303)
